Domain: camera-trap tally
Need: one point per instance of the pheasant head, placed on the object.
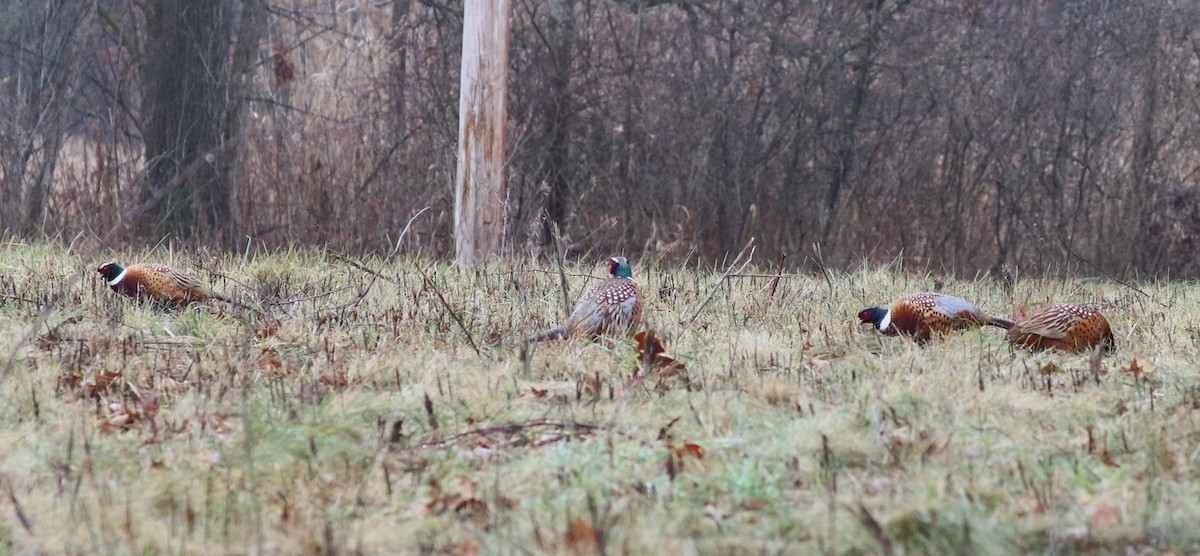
(619, 267)
(111, 272)
(875, 316)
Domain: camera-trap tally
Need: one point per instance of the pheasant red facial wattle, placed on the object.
(922, 315)
(1065, 327)
(611, 307)
(157, 282)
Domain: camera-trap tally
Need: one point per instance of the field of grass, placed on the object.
(335, 422)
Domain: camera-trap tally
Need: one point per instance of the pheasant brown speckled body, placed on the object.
(921, 315)
(158, 282)
(611, 307)
(1065, 327)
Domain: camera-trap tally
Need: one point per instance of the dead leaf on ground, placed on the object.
(755, 504)
(690, 449)
(1134, 369)
(650, 347)
(467, 548)
(268, 358)
(1102, 516)
(582, 538)
(120, 416)
(100, 381)
(267, 330)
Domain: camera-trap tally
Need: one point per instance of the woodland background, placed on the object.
(960, 135)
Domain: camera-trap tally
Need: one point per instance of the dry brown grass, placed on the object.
(329, 422)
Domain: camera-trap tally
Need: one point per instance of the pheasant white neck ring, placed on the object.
(119, 277)
(883, 323)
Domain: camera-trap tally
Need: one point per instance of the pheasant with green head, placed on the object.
(157, 282)
(612, 307)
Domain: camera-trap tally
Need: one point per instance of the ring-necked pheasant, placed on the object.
(920, 315)
(611, 307)
(1065, 327)
(158, 282)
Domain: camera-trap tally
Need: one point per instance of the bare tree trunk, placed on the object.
(560, 41)
(40, 89)
(479, 188)
(401, 12)
(844, 157)
(51, 127)
(186, 69)
(249, 31)
(39, 189)
(1145, 153)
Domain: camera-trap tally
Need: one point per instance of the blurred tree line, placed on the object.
(963, 135)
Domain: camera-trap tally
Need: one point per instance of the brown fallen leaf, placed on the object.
(269, 358)
(120, 416)
(1103, 516)
(650, 348)
(755, 504)
(100, 381)
(1134, 369)
(690, 449)
(647, 340)
(467, 548)
(582, 538)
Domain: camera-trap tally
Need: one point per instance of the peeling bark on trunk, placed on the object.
(479, 188)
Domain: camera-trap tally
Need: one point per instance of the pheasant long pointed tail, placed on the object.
(1000, 322)
(556, 333)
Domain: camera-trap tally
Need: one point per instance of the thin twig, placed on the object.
(776, 275)
(449, 309)
(1114, 278)
(364, 268)
(728, 272)
(511, 428)
(311, 297)
(559, 255)
(824, 271)
(16, 298)
(551, 272)
(869, 522)
(376, 274)
(404, 232)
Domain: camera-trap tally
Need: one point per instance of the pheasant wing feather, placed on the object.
(607, 307)
(1049, 324)
(183, 280)
(953, 307)
(586, 316)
